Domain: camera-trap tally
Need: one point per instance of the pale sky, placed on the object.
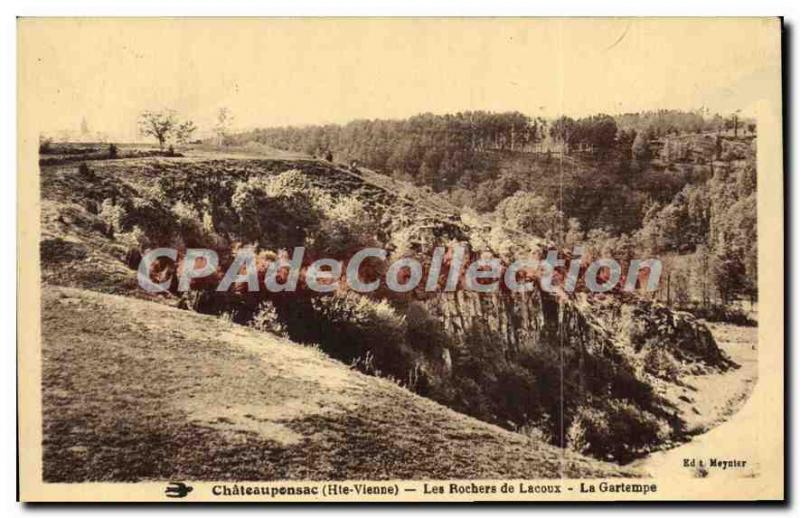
(309, 71)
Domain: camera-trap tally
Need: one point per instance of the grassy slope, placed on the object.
(137, 390)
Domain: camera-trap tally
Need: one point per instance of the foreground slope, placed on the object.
(135, 390)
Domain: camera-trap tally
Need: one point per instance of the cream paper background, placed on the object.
(479, 64)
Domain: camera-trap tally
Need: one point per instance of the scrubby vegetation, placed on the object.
(614, 429)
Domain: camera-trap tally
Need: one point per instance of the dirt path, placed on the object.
(716, 407)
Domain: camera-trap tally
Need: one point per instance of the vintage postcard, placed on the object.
(400, 260)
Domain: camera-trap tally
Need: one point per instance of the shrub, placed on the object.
(270, 219)
(492, 387)
(660, 363)
(365, 364)
(191, 226)
(58, 250)
(91, 207)
(614, 430)
(85, 172)
(208, 223)
(424, 332)
(112, 215)
(528, 212)
(133, 257)
(159, 224)
(374, 316)
(351, 326)
(136, 239)
(143, 221)
(287, 183)
(721, 313)
(346, 226)
(537, 430)
(266, 320)
(185, 213)
(589, 431)
(463, 395)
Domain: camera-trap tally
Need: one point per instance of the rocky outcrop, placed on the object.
(642, 326)
(526, 321)
(518, 320)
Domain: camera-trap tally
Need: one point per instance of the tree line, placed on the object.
(443, 151)
(439, 150)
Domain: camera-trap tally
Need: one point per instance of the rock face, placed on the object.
(529, 320)
(518, 320)
(644, 325)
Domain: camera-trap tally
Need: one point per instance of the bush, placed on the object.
(136, 239)
(142, 221)
(661, 364)
(158, 223)
(376, 317)
(346, 227)
(721, 313)
(133, 257)
(352, 326)
(590, 431)
(274, 219)
(494, 388)
(287, 183)
(196, 230)
(58, 250)
(424, 332)
(266, 319)
(85, 172)
(614, 430)
(538, 431)
(113, 216)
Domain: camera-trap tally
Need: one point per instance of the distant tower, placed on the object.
(84, 128)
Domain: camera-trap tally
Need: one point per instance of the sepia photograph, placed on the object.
(400, 259)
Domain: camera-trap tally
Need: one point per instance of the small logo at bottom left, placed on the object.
(177, 490)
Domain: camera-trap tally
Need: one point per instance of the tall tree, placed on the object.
(165, 125)
(158, 124)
